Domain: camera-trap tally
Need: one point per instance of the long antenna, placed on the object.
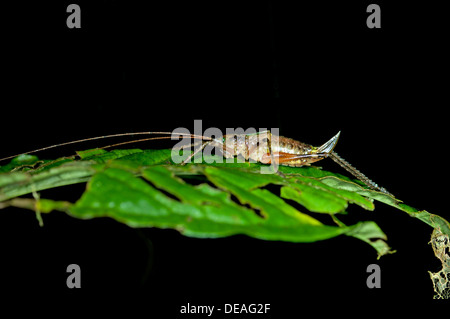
(110, 136)
(352, 170)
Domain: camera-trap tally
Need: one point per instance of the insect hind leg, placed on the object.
(274, 162)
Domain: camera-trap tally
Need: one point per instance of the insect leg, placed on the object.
(273, 159)
(269, 144)
(204, 144)
(286, 158)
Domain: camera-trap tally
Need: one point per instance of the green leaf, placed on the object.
(16, 184)
(21, 162)
(314, 199)
(200, 211)
(144, 188)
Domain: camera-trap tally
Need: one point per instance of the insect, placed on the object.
(263, 147)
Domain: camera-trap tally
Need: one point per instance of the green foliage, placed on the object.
(146, 189)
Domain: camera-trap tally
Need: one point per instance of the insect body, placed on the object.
(267, 148)
(263, 147)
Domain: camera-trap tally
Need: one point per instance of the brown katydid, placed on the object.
(259, 147)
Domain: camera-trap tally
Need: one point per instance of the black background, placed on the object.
(310, 69)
